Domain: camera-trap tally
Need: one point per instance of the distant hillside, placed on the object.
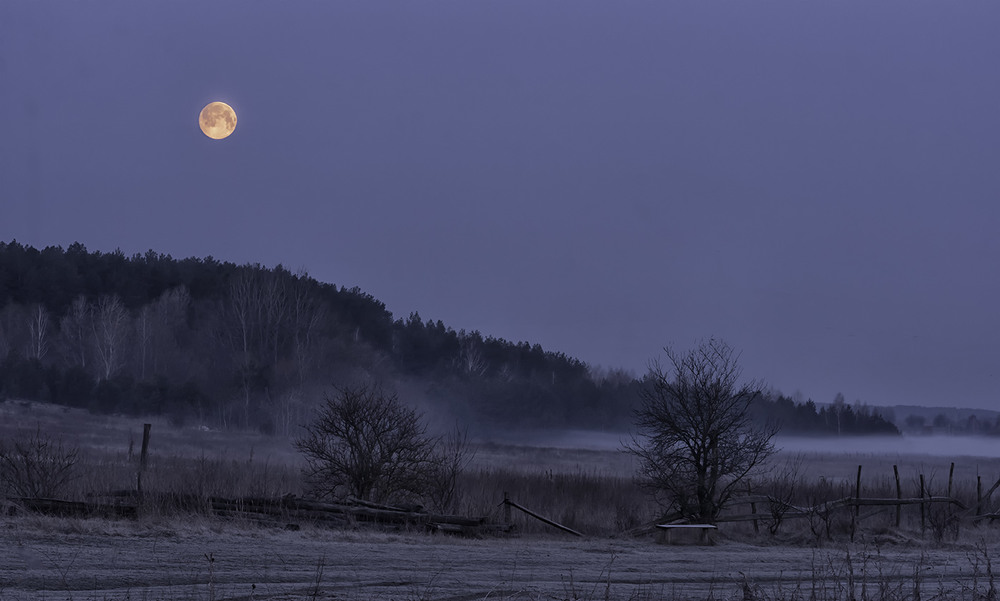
(250, 347)
(950, 420)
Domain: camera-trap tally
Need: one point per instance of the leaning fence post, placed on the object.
(948, 508)
(753, 510)
(979, 496)
(142, 457)
(506, 509)
(951, 475)
(857, 494)
(857, 505)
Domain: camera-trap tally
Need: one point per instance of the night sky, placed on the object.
(814, 182)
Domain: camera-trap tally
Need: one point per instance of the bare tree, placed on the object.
(257, 326)
(365, 443)
(76, 330)
(169, 319)
(276, 310)
(143, 338)
(156, 328)
(4, 343)
(14, 334)
(288, 410)
(470, 359)
(307, 316)
(244, 312)
(695, 439)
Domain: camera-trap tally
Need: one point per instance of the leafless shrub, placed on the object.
(782, 487)
(820, 516)
(982, 570)
(365, 443)
(453, 455)
(36, 466)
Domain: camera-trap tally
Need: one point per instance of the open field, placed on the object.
(168, 553)
(202, 560)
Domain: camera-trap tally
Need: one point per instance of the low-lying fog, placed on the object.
(934, 445)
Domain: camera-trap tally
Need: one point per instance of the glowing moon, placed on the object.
(217, 120)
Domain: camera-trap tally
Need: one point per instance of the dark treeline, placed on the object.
(251, 347)
(837, 418)
(244, 346)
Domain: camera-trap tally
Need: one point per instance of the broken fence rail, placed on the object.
(130, 505)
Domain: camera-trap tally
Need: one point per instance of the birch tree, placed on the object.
(38, 332)
(77, 331)
(110, 326)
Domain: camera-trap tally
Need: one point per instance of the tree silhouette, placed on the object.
(695, 438)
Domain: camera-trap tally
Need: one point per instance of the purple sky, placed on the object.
(815, 182)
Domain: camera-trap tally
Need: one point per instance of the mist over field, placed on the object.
(933, 445)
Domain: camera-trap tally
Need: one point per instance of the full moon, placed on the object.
(217, 120)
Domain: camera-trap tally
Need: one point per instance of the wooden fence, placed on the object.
(286, 511)
(774, 510)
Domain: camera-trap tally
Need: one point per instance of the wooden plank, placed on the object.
(702, 529)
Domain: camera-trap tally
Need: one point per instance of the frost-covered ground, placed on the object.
(200, 560)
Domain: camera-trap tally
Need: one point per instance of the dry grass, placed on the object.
(179, 553)
(591, 491)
